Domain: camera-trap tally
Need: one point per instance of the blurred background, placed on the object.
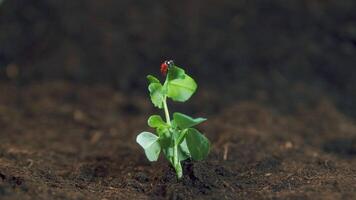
(281, 53)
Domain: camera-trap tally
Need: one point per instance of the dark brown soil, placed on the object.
(64, 141)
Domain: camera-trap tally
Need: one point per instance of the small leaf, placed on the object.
(180, 86)
(175, 73)
(197, 144)
(163, 131)
(146, 139)
(184, 121)
(176, 135)
(156, 121)
(152, 79)
(167, 148)
(149, 142)
(152, 152)
(181, 89)
(156, 93)
(184, 151)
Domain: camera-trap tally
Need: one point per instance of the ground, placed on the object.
(70, 141)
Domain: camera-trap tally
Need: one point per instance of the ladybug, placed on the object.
(165, 66)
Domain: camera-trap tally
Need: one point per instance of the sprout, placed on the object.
(176, 138)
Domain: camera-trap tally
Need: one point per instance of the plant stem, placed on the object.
(168, 119)
(176, 163)
(179, 170)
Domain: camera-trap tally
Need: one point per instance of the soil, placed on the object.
(65, 141)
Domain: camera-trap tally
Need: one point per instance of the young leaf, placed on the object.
(167, 145)
(181, 89)
(184, 121)
(152, 152)
(152, 79)
(149, 142)
(163, 131)
(156, 93)
(175, 73)
(197, 144)
(156, 121)
(180, 86)
(185, 154)
(146, 139)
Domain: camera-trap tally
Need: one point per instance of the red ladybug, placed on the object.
(165, 66)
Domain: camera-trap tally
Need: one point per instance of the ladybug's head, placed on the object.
(165, 66)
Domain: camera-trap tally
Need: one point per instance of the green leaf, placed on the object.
(152, 79)
(146, 139)
(149, 142)
(167, 145)
(197, 144)
(184, 151)
(184, 121)
(163, 131)
(156, 121)
(176, 134)
(180, 86)
(175, 73)
(152, 152)
(181, 89)
(169, 153)
(157, 94)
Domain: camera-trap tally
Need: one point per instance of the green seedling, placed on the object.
(176, 138)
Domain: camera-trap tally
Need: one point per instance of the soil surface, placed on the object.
(65, 141)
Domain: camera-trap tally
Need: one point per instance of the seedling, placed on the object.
(176, 138)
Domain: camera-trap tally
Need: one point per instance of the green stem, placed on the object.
(166, 112)
(176, 163)
(181, 137)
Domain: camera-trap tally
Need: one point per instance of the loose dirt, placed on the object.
(65, 141)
